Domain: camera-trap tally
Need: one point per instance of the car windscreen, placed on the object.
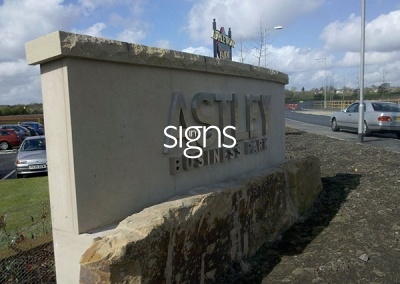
(386, 107)
(34, 145)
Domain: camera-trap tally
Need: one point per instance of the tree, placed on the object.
(241, 53)
(355, 94)
(289, 95)
(319, 97)
(383, 88)
(21, 109)
(258, 48)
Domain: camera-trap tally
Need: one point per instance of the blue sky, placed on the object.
(327, 29)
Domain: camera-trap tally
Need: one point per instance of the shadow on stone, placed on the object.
(296, 239)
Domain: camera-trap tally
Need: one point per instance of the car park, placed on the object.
(379, 117)
(36, 125)
(8, 139)
(21, 131)
(31, 157)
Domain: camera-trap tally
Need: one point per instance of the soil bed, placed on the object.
(351, 235)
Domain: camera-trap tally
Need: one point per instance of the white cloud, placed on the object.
(94, 4)
(94, 30)
(12, 68)
(120, 19)
(295, 61)
(133, 36)
(271, 13)
(343, 36)
(382, 57)
(19, 83)
(24, 20)
(20, 22)
(132, 21)
(380, 34)
(201, 50)
(163, 43)
(350, 59)
(381, 46)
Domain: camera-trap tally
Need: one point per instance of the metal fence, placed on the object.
(340, 104)
(26, 252)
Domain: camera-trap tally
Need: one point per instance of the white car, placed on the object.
(379, 117)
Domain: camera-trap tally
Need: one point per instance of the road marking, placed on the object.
(7, 176)
(5, 152)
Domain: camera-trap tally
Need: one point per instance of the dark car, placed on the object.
(31, 129)
(379, 117)
(37, 126)
(31, 157)
(8, 139)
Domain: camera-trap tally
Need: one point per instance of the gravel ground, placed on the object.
(352, 234)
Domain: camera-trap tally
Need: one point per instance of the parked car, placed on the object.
(37, 126)
(31, 157)
(21, 131)
(8, 139)
(32, 130)
(379, 117)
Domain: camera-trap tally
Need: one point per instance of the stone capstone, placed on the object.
(195, 238)
(65, 44)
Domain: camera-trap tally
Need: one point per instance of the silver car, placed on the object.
(31, 157)
(379, 117)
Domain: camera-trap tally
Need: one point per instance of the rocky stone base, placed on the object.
(195, 238)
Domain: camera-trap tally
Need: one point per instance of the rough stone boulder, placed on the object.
(195, 238)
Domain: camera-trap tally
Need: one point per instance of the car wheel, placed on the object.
(334, 125)
(398, 135)
(4, 145)
(367, 132)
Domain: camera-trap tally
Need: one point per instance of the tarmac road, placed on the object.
(317, 122)
(7, 159)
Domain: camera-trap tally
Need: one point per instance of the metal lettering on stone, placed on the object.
(249, 116)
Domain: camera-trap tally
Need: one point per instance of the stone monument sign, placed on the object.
(129, 126)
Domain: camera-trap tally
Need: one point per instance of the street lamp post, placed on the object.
(265, 42)
(362, 63)
(324, 58)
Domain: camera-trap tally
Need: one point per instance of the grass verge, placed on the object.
(24, 210)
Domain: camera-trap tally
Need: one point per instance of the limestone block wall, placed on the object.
(195, 238)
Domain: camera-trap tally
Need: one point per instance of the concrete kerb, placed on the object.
(318, 112)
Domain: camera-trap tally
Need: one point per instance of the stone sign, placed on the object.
(113, 112)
